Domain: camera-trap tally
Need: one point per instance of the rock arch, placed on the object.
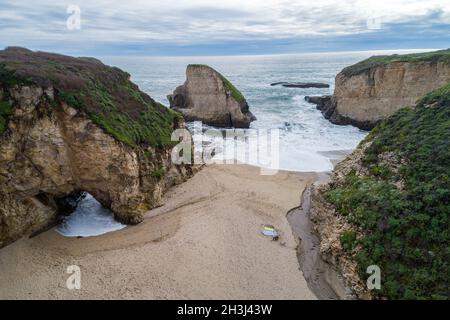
(53, 151)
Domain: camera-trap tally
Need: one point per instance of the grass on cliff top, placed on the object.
(376, 61)
(407, 230)
(235, 93)
(104, 93)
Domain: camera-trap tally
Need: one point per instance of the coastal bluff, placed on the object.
(387, 206)
(209, 97)
(376, 88)
(69, 125)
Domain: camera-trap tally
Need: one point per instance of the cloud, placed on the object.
(202, 22)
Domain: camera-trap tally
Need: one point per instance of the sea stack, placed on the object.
(209, 97)
(376, 88)
(69, 125)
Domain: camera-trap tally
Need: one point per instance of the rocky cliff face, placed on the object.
(387, 205)
(58, 140)
(209, 97)
(378, 87)
(330, 226)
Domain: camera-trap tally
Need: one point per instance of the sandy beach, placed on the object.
(205, 242)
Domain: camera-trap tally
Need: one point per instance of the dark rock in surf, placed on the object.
(301, 84)
(327, 105)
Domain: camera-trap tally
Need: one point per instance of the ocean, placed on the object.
(305, 136)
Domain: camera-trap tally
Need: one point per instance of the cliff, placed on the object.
(388, 204)
(209, 97)
(74, 124)
(376, 88)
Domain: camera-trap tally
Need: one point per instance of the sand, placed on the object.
(205, 242)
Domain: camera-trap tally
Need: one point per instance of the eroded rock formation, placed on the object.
(71, 125)
(376, 88)
(209, 97)
(330, 225)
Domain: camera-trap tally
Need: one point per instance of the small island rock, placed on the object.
(209, 97)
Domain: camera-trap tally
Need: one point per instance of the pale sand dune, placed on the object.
(205, 242)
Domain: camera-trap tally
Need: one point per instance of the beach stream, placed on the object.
(322, 279)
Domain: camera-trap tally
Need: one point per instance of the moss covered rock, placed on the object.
(105, 94)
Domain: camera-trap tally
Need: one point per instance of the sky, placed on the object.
(226, 27)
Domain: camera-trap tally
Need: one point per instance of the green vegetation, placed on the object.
(8, 77)
(148, 154)
(235, 93)
(5, 112)
(153, 126)
(440, 96)
(407, 229)
(198, 65)
(348, 240)
(158, 173)
(103, 93)
(376, 61)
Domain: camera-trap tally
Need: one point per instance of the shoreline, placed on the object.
(205, 242)
(322, 279)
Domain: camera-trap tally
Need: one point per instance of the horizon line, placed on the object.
(235, 55)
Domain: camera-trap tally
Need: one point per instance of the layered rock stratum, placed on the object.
(209, 97)
(376, 88)
(69, 125)
(388, 205)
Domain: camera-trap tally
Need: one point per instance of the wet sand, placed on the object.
(322, 279)
(204, 243)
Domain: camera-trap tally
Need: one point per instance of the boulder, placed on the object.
(209, 97)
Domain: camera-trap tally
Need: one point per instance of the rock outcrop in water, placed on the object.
(388, 205)
(209, 97)
(301, 84)
(74, 124)
(325, 104)
(376, 88)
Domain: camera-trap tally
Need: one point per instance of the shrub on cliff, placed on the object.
(403, 206)
(5, 112)
(104, 93)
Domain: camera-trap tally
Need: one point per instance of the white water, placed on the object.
(304, 133)
(89, 219)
